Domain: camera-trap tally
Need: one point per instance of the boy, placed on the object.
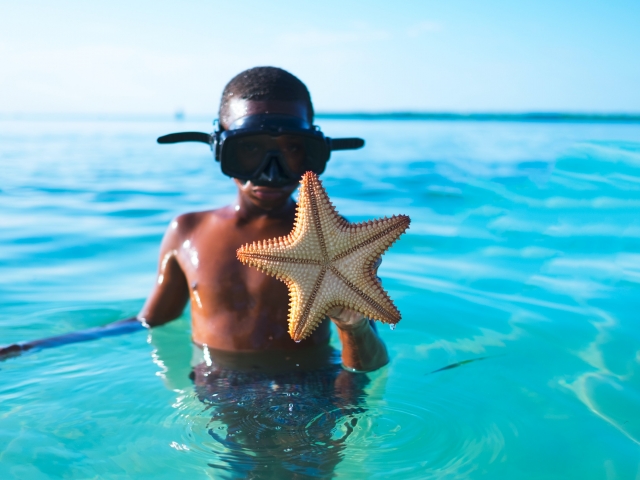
(235, 308)
(281, 401)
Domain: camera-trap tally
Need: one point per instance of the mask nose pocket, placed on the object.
(273, 171)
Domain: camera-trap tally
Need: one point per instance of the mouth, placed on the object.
(270, 193)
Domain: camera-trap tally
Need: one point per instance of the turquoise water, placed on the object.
(524, 252)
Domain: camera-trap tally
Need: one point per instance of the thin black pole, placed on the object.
(120, 327)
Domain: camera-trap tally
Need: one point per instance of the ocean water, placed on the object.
(520, 272)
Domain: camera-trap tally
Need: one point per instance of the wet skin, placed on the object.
(235, 307)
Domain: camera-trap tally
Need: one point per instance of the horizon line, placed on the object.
(407, 115)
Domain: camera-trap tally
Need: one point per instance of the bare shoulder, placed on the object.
(186, 224)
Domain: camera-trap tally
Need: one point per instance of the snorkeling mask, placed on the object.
(268, 149)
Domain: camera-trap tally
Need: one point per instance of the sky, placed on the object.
(157, 57)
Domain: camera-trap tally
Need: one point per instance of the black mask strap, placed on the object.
(186, 137)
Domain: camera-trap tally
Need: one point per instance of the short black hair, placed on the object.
(265, 83)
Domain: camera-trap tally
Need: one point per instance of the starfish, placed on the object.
(327, 261)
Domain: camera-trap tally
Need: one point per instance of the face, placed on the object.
(266, 198)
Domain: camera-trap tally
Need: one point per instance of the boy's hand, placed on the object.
(346, 319)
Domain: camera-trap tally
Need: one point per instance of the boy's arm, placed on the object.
(362, 349)
(170, 293)
(166, 302)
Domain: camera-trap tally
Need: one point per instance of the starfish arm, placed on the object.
(355, 266)
(330, 227)
(373, 236)
(297, 247)
(304, 281)
(306, 304)
(367, 297)
(327, 293)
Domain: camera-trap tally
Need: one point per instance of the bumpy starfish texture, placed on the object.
(327, 261)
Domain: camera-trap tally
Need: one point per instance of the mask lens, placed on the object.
(294, 152)
(245, 155)
(302, 153)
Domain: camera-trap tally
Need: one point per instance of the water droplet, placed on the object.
(297, 341)
(288, 449)
(392, 326)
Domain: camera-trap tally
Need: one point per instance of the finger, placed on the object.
(376, 265)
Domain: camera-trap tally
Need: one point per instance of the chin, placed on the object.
(266, 196)
(271, 203)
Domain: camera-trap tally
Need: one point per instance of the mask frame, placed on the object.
(272, 169)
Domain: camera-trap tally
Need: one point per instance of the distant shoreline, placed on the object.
(179, 117)
(489, 117)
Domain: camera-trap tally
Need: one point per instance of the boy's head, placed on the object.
(267, 91)
(266, 138)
